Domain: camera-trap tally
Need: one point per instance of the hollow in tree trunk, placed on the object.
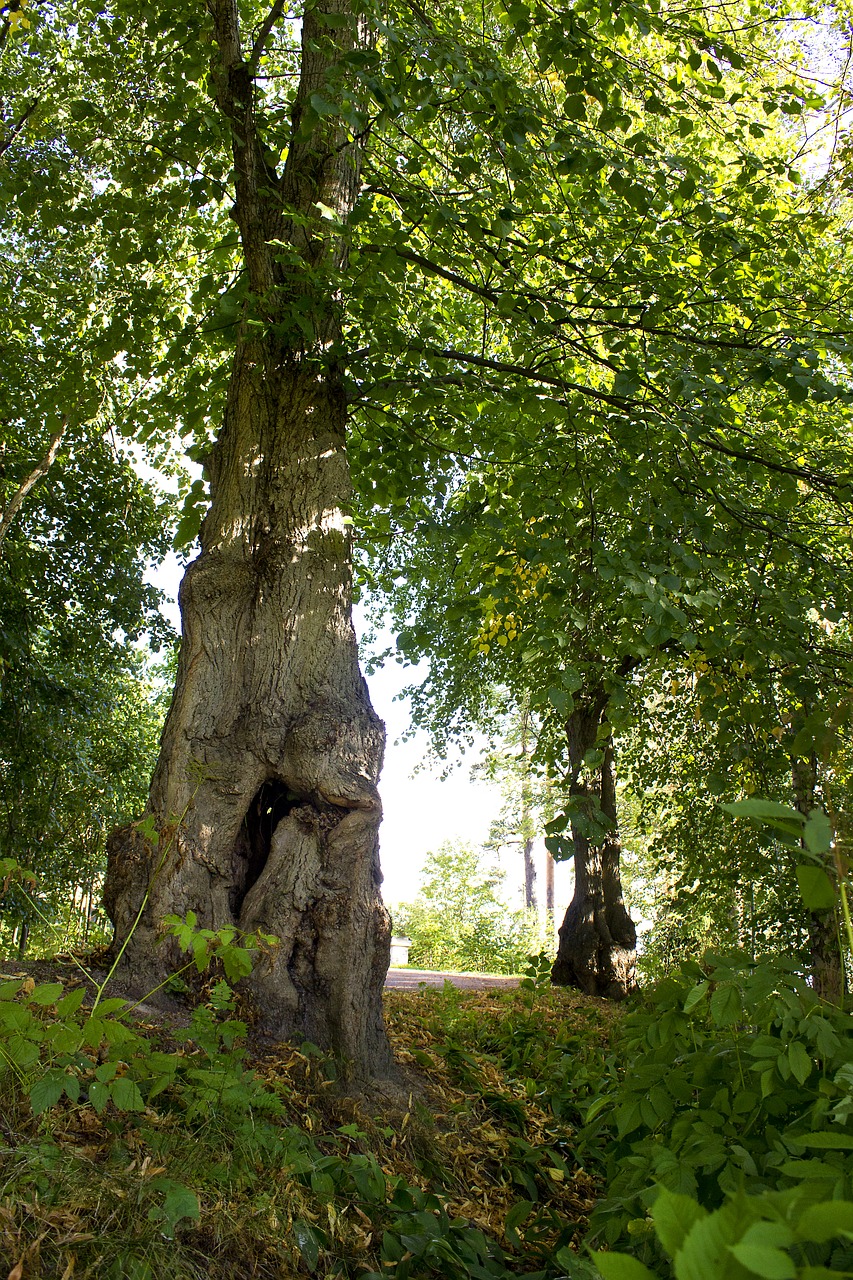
(597, 940)
(265, 792)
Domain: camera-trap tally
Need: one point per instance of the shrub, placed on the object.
(733, 1077)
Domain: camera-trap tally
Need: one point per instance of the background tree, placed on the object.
(529, 799)
(460, 919)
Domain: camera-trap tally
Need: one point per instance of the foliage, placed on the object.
(706, 882)
(560, 554)
(80, 734)
(732, 1075)
(777, 1236)
(460, 921)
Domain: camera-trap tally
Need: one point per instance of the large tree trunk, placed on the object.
(265, 793)
(824, 948)
(598, 941)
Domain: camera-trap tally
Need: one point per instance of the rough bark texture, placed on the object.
(824, 948)
(598, 942)
(265, 793)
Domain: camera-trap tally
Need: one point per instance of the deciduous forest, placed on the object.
(527, 326)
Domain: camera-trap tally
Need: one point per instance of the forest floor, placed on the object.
(258, 1165)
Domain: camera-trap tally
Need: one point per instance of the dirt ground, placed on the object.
(64, 969)
(411, 980)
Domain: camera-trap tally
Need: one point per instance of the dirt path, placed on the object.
(411, 979)
(63, 969)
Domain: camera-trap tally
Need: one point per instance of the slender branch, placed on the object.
(14, 504)
(264, 33)
(17, 127)
(532, 375)
(434, 269)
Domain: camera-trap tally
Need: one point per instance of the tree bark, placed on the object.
(597, 939)
(13, 506)
(824, 949)
(526, 811)
(265, 792)
(549, 886)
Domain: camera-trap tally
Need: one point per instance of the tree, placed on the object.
(706, 882)
(78, 722)
(528, 796)
(265, 794)
(494, 200)
(459, 919)
(603, 489)
(80, 736)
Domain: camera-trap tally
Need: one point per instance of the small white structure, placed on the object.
(400, 950)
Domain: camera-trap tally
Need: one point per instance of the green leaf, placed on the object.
(561, 699)
(765, 1261)
(817, 832)
(780, 816)
(46, 993)
(515, 1217)
(125, 1095)
(322, 106)
(99, 1095)
(821, 1222)
(824, 1141)
(619, 1266)
(112, 1006)
(47, 1091)
(726, 1005)
(179, 1202)
(698, 993)
(673, 1216)
(799, 1061)
(816, 889)
(237, 962)
(81, 109)
(70, 1003)
(308, 1243)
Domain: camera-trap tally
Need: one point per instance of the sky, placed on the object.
(421, 809)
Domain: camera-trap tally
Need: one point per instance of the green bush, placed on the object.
(733, 1092)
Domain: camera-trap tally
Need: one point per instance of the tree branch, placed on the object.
(14, 504)
(532, 375)
(17, 127)
(434, 269)
(264, 33)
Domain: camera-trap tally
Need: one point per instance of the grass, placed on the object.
(290, 1177)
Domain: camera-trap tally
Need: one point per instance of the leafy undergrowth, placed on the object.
(726, 1120)
(129, 1155)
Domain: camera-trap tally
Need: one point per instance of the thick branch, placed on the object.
(533, 375)
(265, 31)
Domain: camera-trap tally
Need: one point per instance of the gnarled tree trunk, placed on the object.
(265, 793)
(598, 941)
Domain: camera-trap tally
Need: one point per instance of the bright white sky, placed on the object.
(421, 810)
